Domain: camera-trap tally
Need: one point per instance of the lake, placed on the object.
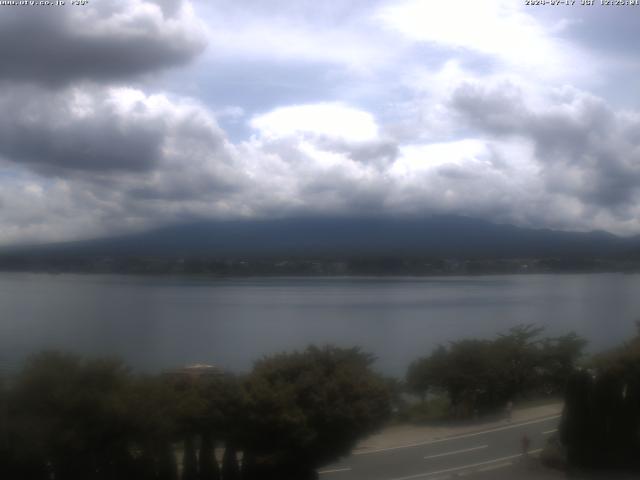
(154, 323)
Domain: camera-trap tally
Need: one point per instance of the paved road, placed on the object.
(481, 451)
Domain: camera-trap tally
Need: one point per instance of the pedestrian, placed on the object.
(509, 410)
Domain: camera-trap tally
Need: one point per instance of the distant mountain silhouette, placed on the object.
(451, 236)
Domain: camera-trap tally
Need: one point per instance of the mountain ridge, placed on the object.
(438, 236)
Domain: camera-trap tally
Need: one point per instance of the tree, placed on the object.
(4, 424)
(482, 375)
(224, 405)
(208, 465)
(190, 461)
(559, 357)
(69, 417)
(249, 469)
(599, 427)
(601, 420)
(230, 468)
(419, 378)
(575, 427)
(167, 468)
(308, 408)
(154, 407)
(518, 359)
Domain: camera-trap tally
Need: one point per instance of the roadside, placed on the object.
(398, 436)
(533, 470)
(522, 469)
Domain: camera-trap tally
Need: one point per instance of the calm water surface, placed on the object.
(156, 323)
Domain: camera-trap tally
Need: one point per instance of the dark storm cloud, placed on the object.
(74, 130)
(93, 130)
(106, 40)
(585, 148)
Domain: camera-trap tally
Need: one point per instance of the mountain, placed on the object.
(437, 236)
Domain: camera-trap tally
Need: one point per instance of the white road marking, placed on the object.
(456, 451)
(334, 470)
(550, 431)
(464, 467)
(457, 437)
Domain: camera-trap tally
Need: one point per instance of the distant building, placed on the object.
(195, 371)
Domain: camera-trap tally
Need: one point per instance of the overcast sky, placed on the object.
(125, 115)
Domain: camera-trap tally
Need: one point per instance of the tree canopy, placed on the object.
(72, 418)
(308, 408)
(482, 375)
(601, 421)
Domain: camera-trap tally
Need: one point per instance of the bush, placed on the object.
(554, 454)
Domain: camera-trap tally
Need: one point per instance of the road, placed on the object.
(491, 449)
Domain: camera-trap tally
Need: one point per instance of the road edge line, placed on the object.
(456, 437)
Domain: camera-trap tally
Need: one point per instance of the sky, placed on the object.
(120, 116)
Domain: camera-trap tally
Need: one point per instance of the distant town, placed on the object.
(301, 266)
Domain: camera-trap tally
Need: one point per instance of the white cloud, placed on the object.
(332, 120)
(500, 29)
(422, 157)
(331, 32)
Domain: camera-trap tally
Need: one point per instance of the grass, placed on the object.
(431, 410)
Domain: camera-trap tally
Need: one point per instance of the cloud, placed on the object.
(593, 27)
(332, 120)
(106, 40)
(334, 108)
(97, 129)
(36, 209)
(309, 169)
(586, 149)
(322, 172)
(110, 160)
(335, 34)
(500, 29)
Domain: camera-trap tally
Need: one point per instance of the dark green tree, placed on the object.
(154, 407)
(468, 372)
(558, 359)
(305, 409)
(518, 359)
(601, 421)
(483, 375)
(230, 467)
(167, 467)
(190, 460)
(4, 423)
(575, 428)
(208, 465)
(425, 374)
(70, 415)
(249, 468)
